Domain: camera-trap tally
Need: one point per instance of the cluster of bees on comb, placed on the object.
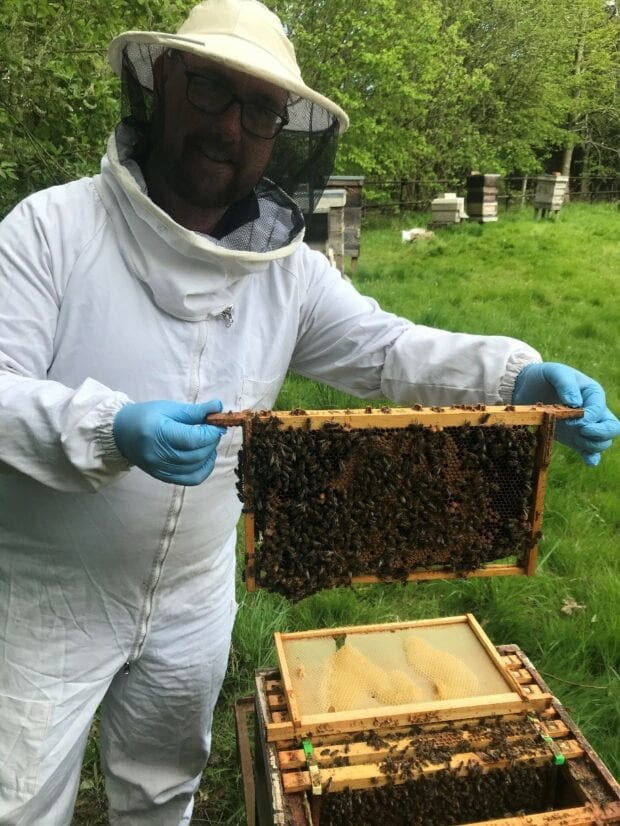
(444, 799)
(447, 796)
(334, 503)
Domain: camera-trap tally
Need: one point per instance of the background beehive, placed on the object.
(550, 192)
(481, 199)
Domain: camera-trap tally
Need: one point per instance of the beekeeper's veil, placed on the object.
(246, 36)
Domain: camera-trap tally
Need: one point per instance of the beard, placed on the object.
(201, 175)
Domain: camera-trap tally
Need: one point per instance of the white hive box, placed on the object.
(550, 192)
(325, 228)
(448, 209)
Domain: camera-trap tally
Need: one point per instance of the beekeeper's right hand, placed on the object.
(169, 440)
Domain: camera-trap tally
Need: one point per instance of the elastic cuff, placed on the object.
(515, 364)
(104, 437)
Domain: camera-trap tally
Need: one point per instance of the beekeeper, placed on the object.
(133, 304)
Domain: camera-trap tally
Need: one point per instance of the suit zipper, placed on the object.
(172, 519)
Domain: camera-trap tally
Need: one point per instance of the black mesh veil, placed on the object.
(300, 165)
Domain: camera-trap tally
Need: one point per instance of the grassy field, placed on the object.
(554, 284)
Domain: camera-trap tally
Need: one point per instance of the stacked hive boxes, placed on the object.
(325, 227)
(353, 186)
(482, 197)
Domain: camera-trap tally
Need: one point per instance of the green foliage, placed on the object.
(445, 86)
(59, 100)
(434, 89)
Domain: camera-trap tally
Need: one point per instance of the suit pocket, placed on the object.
(259, 395)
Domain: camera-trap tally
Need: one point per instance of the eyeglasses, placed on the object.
(210, 95)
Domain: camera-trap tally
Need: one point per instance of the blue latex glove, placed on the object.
(559, 384)
(169, 440)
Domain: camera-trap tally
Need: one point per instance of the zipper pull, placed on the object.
(225, 316)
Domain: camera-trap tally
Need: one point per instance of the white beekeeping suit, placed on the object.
(117, 589)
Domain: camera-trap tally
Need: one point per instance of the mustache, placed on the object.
(213, 147)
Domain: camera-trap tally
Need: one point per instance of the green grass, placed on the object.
(554, 284)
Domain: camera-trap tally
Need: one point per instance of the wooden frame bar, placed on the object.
(367, 775)
(363, 753)
(587, 816)
(480, 415)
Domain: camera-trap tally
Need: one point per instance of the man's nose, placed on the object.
(228, 123)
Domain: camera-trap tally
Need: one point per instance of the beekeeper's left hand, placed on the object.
(553, 383)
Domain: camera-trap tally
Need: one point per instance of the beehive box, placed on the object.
(481, 199)
(325, 227)
(550, 193)
(353, 185)
(447, 209)
(341, 497)
(524, 766)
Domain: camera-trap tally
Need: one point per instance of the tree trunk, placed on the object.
(584, 188)
(567, 159)
(523, 191)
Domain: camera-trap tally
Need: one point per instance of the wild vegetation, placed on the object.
(434, 90)
(553, 283)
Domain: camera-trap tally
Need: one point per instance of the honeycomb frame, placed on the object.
(283, 554)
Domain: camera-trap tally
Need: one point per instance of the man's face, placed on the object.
(210, 161)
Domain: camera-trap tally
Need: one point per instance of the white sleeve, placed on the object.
(347, 341)
(60, 436)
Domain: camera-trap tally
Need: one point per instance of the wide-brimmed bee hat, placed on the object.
(246, 36)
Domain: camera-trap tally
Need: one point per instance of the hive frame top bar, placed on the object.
(394, 417)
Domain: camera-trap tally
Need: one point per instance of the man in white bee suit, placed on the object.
(133, 304)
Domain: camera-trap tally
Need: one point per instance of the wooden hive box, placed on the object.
(447, 209)
(353, 185)
(521, 765)
(325, 227)
(397, 494)
(481, 201)
(550, 192)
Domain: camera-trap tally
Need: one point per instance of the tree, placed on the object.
(592, 74)
(58, 97)
(433, 89)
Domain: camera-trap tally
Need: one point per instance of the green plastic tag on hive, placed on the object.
(315, 774)
(558, 758)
